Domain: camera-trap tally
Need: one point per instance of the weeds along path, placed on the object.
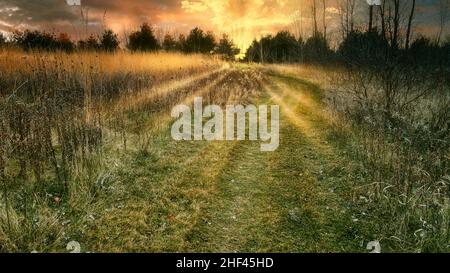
(137, 121)
(158, 97)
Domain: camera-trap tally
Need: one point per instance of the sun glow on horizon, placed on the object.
(248, 20)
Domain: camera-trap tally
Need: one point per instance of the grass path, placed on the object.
(229, 196)
(286, 201)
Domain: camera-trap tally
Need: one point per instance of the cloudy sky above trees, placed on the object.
(244, 20)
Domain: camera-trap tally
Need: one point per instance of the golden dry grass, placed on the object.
(160, 63)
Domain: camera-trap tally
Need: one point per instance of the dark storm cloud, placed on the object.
(17, 12)
(134, 8)
(118, 4)
(33, 13)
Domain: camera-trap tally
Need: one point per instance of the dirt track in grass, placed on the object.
(200, 196)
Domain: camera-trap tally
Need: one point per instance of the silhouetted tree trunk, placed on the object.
(347, 9)
(410, 19)
(383, 18)
(314, 14)
(352, 4)
(261, 51)
(396, 23)
(324, 19)
(370, 18)
(443, 14)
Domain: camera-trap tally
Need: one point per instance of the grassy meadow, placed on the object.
(87, 156)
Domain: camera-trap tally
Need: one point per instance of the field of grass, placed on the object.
(87, 156)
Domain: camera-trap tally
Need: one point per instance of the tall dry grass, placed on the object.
(394, 123)
(58, 112)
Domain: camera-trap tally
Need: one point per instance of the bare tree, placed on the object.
(382, 9)
(444, 6)
(370, 17)
(392, 19)
(396, 23)
(324, 4)
(410, 20)
(85, 18)
(347, 14)
(314, 14)
(297, 21)
(104, 24)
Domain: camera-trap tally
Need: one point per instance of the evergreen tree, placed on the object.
(143, 40)
(109, 41)
(169, 43)
(199, 42)
(226, 48)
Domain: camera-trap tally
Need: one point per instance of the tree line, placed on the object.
(386, 36)
(358, 47)
(144, 39)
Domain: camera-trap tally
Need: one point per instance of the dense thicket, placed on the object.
(361, 48)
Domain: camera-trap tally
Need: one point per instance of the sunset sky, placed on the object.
(244, 20)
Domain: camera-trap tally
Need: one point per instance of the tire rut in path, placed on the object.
(278, 202)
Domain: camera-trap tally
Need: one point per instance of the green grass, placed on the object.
(199, 196)
(228, 196)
